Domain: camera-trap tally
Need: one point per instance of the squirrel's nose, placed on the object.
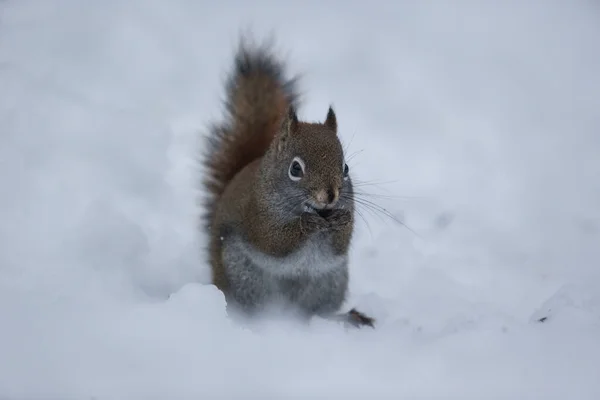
(328, 197)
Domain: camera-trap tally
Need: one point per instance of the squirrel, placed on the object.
(279, 213)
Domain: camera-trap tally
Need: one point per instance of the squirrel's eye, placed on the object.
(346, 170)
(296, 171)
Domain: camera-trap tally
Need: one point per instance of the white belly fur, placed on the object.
(314, 258)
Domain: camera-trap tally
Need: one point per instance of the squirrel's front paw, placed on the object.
(339, 218)
(313, 222)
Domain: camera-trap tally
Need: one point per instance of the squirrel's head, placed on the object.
(310, 172)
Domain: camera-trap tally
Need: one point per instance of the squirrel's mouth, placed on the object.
(322, 212)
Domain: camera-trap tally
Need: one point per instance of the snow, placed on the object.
(475, 123)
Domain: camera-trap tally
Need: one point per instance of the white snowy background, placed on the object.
(477, 122)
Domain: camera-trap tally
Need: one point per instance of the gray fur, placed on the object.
(312, 279)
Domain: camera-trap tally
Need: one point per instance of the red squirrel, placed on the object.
(280, 208)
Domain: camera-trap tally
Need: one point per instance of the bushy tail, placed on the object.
(257, 96)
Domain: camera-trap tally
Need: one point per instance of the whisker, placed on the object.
(373, 211)
(372, 204)
(351, 156)
(358, 183)
(360, 214)
(390, 197)
(346, 146)
(377, 208)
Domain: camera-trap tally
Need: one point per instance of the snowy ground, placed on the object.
(479, 120)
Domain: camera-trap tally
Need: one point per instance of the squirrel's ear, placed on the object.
(331, 120)
(289, 126)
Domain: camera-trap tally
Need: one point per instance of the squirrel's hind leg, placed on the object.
(354, 318)
(358, 319)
